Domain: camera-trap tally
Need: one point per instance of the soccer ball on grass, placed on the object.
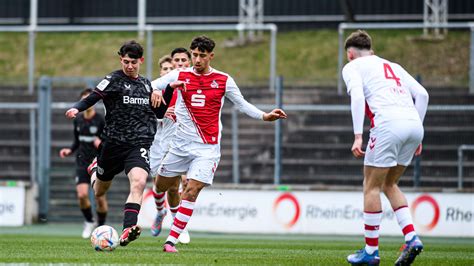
(104, 238)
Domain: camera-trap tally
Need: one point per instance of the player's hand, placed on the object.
(170, 113)
(274, 115)
(419, 150)
(97, 142)
(64, 152)
(157, 98)
(179, 84)
(71, 113)
(357, 146)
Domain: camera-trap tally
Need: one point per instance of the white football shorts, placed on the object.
(198, 161)
(164, 133)
(393, 143)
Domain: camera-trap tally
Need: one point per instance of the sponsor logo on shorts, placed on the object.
(372, 142)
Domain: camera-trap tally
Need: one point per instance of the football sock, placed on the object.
(101, 218)
(87, 212)
(131, 211)
(371, 223)
(181, 220)
(173, 211)
(405, 222)
(159, 199)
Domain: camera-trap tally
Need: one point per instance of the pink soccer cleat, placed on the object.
(169, 248)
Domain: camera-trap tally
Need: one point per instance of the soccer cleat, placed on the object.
(92, 167)
(410, 251)
(361, 257)
(88, 228)
(169, 248)
(184, 237)
(158, 224)
(129, 234)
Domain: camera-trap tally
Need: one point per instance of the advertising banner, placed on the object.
(318, 212)
(12, 206)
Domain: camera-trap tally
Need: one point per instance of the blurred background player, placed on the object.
(87, 129)
(195, 148)
(396, 104)
(129, 131)
(180, 59)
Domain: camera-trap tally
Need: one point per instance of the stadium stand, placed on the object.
(315, 149)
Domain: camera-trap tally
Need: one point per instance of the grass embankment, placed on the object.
(303, 57)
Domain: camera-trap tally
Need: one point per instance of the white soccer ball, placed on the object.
(104, 238)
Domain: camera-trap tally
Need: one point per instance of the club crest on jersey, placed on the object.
(93, 129)
(147, 88)
(214, 84)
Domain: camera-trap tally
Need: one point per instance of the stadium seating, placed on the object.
(315, 150)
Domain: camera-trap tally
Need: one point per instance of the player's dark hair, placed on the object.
(359, 39)
(203, 43)
(132, 49)
(181, 50)
(86, 91)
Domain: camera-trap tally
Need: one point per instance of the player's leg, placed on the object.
(184, 213)
(373, 180)
(411, 132)
(173, 194)
(137, 168)
(200, 174)
(161, 185)
(82, 192)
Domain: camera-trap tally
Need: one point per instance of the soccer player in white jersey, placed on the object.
(396, 105)
(180, 58)
(195, 148)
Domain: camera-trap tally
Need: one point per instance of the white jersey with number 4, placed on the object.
(384, 90)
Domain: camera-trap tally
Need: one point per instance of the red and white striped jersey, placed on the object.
(384, 90)
(198, 109)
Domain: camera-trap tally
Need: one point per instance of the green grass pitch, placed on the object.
(59, 243)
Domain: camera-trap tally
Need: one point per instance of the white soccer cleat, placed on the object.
(88, 228)
(184, 237)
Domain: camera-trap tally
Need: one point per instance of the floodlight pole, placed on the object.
(141, 19)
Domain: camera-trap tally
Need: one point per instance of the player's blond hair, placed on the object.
(163, 59)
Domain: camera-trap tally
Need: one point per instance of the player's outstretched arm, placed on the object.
(275, 114)
(83, 105)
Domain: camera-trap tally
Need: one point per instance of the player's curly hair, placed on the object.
(203, 43)
(132, 49)
(359, 39)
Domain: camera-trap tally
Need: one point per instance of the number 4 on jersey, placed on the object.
(389, 74)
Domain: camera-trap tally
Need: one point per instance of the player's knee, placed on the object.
(82, 195)
(138, 184)
(389, 188)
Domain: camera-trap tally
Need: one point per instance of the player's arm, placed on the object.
(418, 93)
(355, 89)
(159, 85)
(75, 144)
(234, 94)
(160, 110)
(99, 93)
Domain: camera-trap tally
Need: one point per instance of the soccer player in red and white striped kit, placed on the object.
(396, 105)
(195, 148)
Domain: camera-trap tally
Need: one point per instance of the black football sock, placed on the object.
(87, 212)
(131, 211)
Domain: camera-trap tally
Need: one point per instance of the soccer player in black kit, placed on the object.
(130, 126)
(87, 129)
